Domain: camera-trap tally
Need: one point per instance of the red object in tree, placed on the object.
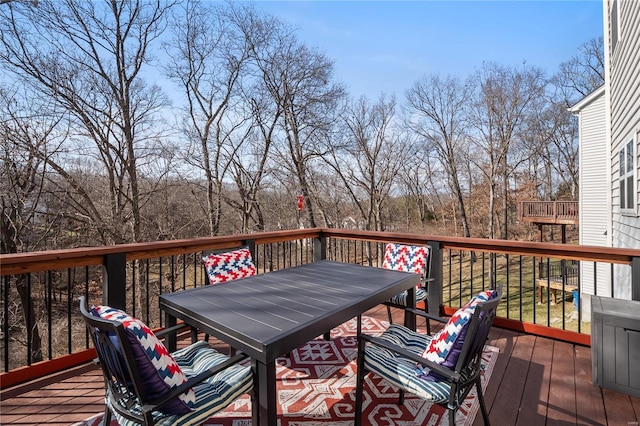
(300, 202)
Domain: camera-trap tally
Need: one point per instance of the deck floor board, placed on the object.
(562, 390)
(511, 390)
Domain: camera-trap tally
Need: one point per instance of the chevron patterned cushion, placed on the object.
(229, 266)
(446, 345)
(212, 395)
(401, 299)
(158, 369)
(402, 257)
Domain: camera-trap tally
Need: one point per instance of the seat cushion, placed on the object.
(400, 371)
(229, 266)
(158, 369)
(446, 345)
(212, 395)
(401, 299)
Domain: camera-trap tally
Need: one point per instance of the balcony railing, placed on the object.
(42, 331)
(551, 212)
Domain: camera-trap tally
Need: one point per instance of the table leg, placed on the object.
(264, 386)
(172, 339)
(410, 318)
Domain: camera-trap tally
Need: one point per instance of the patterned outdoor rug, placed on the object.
(316, 387)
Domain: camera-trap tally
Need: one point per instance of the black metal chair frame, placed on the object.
(464, 376)
(425, 279)
(123, 383)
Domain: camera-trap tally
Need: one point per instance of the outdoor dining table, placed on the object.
(268, 315)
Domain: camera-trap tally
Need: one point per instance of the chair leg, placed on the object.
(426, 320)
(389, 314)
(254, 409)
(106, 420)
(360, 375)
(483, 407)
(452, 416)
(401, 397)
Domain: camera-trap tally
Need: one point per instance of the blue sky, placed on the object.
(385, 46)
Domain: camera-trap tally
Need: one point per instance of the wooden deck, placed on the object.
(549, 212)
(536, 381)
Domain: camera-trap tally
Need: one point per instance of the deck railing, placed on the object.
(41, 329)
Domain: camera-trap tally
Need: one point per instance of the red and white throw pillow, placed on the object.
(446, 345)
(402, 257)
(229, 266)
(158, 369)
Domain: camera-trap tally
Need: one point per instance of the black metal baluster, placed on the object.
(69, 296)
(5, 326)
(48, 300)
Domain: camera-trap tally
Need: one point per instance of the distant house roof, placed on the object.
(579, 106)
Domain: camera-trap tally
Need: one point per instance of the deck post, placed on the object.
(251, 245)
(434, 288)
(540, 232)
(319, 248)
(635, 278)
(114, 284)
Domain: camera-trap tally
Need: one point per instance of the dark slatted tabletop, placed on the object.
(270, 314)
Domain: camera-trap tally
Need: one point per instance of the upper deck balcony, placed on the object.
(549, 212)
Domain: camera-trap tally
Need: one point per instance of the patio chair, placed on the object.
(145, 384)
(417, 259)
(442, 368)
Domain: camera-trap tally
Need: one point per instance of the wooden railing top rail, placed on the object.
(557, 202)
(11, 264)
(525, 248)
(19, 263)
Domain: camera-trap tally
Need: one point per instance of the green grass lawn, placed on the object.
(462, 277)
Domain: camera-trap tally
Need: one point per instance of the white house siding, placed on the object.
(595, 205)
(623, 87)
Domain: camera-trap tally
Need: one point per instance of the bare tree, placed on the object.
(554, 138)
(88, 57)
(209, 52)
(25, 138)
(33, 2)
(371, 157)
(417, 184)
(504, 100)
(253, 161)
(576, 78)
(300, 82)
(581, 74)
(437, 111)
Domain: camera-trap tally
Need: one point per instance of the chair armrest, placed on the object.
(195, 380)
(427, 315)
(443, 371)
(171, 330)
